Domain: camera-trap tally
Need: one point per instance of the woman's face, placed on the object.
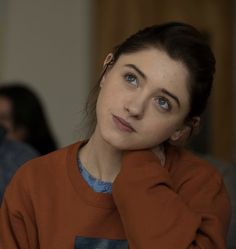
(143, 100)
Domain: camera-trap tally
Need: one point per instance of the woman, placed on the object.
(127, 186)
(22, 115)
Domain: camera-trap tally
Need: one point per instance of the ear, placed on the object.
(108, 60)
(183, 133)
(179, 133)
(196, 122)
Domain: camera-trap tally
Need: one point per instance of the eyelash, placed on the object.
(126, 77)
(160, 98)
(157, 99)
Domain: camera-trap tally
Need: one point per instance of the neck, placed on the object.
(100, 158)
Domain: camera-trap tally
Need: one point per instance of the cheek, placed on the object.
(159, 134)
(110, 94)
(103, 101)
(103, 106)
(161, 128)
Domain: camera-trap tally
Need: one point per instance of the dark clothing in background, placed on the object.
(12, 155)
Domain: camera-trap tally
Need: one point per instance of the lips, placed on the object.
(122, 125)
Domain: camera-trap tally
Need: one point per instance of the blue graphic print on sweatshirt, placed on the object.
(97, 243)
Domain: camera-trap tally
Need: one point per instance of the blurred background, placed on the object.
(57, 48)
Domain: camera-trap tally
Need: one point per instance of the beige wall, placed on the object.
(47, 44)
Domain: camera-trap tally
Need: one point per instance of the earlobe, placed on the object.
(181, 135)
(101, 83)
(176, 135)
(196, 122)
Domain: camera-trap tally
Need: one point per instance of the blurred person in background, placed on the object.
(23, 117)
(12, 155)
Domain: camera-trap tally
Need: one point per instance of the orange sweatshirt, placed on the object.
(183, 205)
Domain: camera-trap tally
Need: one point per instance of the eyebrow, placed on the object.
(145, 77)
(137, 70)
(171, 95)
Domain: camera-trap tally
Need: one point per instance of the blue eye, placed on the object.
(131, 79)
(163, 103)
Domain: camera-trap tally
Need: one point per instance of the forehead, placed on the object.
(156, 62)
(160, 69)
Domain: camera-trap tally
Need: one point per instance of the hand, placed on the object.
(160, 153)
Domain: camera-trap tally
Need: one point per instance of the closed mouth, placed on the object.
(122, 124)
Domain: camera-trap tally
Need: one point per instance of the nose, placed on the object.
(135, 106)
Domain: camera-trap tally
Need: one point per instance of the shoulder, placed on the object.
(185, 166)
(196, 180)
(180, 159)
(52, 160)
(45, 167)
(45, 174)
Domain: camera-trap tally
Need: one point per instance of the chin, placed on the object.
(124, 144)
(116, 142)
(119, 142)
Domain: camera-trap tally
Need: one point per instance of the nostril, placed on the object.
(127, 109)
(135, 113)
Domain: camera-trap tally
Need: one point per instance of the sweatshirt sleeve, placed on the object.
(17, 225)
(158, 213)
